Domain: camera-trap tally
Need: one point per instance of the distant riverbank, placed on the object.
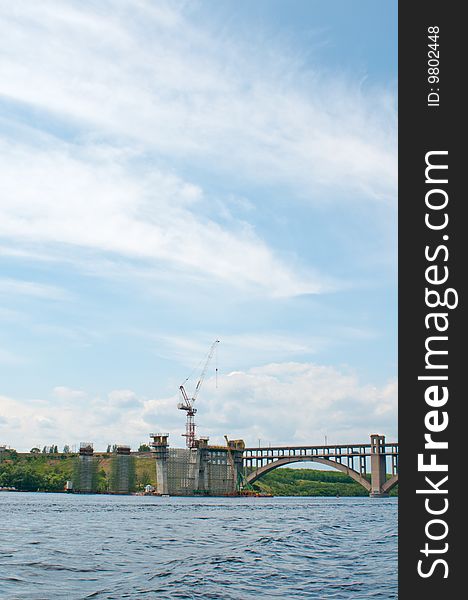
(49, 473)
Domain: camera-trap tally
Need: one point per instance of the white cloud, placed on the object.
(101, 205)
(65, 393)
(279, 403)
(45, 424)
(302, 402)
(157, 80)
(124, 399)
(159, 90)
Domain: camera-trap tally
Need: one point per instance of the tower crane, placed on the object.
(187, 403)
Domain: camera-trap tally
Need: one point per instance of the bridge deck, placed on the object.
(343, 450)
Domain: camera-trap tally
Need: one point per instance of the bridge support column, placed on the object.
(197, 466)
(238, 471)
(378, 466)
(159, 446)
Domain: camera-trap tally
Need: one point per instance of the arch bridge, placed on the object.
(356, 460)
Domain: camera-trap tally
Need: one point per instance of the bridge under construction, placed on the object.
(211, 470)
(204, 469)
(221, 470)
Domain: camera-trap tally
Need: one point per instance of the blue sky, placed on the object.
(174, 172)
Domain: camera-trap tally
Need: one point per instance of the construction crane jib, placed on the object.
(188, 403)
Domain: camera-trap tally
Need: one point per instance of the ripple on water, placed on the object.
(75, 547)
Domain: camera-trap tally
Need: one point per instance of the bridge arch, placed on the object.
(336, 465)
(390, 484)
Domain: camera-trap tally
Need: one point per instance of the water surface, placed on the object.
(75, 547)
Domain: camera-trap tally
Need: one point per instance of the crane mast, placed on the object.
(187, 403)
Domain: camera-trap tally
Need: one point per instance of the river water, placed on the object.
(75, 547)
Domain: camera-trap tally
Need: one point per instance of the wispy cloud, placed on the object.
(15, 287)
(163, 83)
(105, 101)
(235, 348)
(100, 204)
(10, 358)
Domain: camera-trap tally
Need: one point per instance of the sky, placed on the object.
(175, 172)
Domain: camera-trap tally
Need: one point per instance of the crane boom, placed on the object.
(203, 373)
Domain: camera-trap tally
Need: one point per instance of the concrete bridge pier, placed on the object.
(159, 446)
(195, 466)
(378, 466)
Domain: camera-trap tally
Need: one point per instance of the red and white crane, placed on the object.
(187, 403)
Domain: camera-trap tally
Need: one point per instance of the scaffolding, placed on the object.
(200, 471)
(180, 471)
(85, 470)
(220, 473)
(122, 472)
